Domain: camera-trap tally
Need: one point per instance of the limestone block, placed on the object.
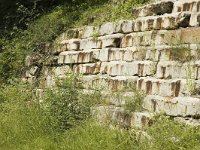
(138, 25)
(190, 35)
(89, 31)
(151, 54)
(107, 28)
(104, 54)
(189, 70)
(118, 116)
(120, 68)
(163, 53)
(166, 88)
(149, 85)
(188, 121)
(140, 119)
(140, 68)
(185, 5)
(107, 83)
(168, 70)
(149, 23)
(119, 82)
(166, 21)
(147, 38)
(127, 41)
(176, 20)
(34, 70)
(137, 38)
(168, 37)
(124, 54)
(139, 52)
(86, 69)
(143, 38)
(153, 86)
(90, 43)
(73, 57)
(128, 26)
(111, 40)
(118, 26)
(146, 68)
(179, 106)
(71, 45)
(157, 8)
(195, 19)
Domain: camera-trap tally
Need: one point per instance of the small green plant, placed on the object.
(95, 36)
(133, 100)
(182, 54)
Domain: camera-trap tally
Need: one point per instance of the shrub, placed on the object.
(65, 104)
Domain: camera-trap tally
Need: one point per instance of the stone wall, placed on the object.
(159, 52)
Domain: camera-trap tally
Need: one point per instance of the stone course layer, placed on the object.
(158, 52)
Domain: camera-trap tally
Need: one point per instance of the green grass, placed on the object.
(27, 124)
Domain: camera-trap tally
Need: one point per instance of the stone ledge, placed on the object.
(179, 106)
(118, 116)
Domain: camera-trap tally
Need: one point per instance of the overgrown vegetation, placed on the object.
(28, 124)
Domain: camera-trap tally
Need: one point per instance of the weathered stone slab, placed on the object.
(158, 8)
(179, 106)
(188, 121)
(195, 19)
(90, 43)
(70, 45)
(126, 54)
(153, 86)
(89, 31)
(166, 21)
(107, 28)
(118, 116)
(86, 69)
(190, 35)
(168, 70)
(108, 83)
(120, 68)
(73, 57)
(185, 5)
(143, 38)
(128, 26)
(111, 40)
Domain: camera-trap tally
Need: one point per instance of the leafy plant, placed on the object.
(64, 102)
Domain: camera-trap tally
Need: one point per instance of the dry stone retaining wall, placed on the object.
(142, 52)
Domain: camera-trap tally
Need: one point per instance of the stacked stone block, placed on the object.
(139, 51)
